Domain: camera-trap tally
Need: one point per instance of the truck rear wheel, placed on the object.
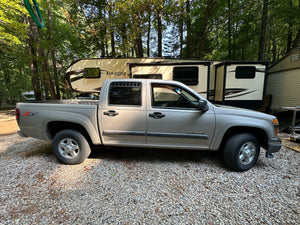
(70, 147)
(241, 151)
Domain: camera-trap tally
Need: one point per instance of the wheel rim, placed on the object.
(247, 153)
(68, 148)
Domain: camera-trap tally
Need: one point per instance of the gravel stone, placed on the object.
(140, 186)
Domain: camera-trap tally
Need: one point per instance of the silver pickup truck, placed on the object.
(150, 113)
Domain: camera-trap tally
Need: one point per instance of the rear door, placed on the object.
(123, 114)
(173, 119)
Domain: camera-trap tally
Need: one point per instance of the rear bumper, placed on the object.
(274, 146)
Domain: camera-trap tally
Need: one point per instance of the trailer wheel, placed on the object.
(70, 147)
(241, 151)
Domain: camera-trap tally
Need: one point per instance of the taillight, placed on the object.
(17, 113)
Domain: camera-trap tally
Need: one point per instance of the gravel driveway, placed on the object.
(131, 186)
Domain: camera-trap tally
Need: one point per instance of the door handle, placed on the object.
(156, 115)
(110, 113)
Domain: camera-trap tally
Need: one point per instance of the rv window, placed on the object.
(245, 72)
(148, 76)
(91, 73)
(186, 75)
(125, 93)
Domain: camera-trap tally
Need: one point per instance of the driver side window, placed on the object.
(170, 96)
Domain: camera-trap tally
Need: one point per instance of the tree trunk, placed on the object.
(112, 40)
(210, 5)
(181, 21)
(159, 32)
(274, 49)
(123, 34)
(46, 74)
(188, 29)
(138, 42)
(139, 45)
(229, 29)
(102, 33)
(289, 40)
(35, 78)
(262, 40)
(52, 52)
(296, 42)
(148, 33)
(112, 34)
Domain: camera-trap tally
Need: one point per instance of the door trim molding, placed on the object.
(114, 132)
(177, 135)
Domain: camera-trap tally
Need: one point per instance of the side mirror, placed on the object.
(202, 105)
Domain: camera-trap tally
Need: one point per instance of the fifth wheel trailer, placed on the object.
(241, 84)
(229, 82)
(88, 75)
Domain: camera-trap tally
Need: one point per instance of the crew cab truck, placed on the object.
(150, 113)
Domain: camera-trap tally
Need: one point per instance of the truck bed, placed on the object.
(36, 116)
(68, 101)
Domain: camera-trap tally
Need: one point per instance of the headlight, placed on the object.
(276, 126)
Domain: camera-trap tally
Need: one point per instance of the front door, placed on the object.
(173, 119)
(123, 114)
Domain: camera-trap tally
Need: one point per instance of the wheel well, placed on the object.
(257, 132)
(56, 126)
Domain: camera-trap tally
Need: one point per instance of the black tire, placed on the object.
(241, 151)
(70, 147)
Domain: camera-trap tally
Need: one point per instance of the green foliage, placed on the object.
(101, 28)
(12, 28)
(283, 18)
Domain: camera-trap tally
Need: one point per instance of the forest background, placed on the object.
(36, 59)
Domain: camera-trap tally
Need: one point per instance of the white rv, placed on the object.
(88, 75)
(240, 83)
(232, 83)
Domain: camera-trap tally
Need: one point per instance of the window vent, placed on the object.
(126, 84)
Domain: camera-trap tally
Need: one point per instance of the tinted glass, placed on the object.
(170, 96)
(91, 73)
(186, 75)
(125, 93)
(148, 76)
(245, 72)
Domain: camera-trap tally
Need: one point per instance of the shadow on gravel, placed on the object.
(43, 149)
(152, 155)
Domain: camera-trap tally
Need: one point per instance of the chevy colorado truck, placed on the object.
(150, 113)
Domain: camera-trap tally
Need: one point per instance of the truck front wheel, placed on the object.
(70, 147)
(241, 151)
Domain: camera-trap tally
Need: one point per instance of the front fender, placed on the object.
(226, 122)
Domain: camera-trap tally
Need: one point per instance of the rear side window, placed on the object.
(186, 75)
(245, 72)
(125, 93)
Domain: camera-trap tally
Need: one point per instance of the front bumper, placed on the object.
(274, 146)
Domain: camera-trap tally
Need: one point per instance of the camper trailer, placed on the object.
(284, 81)
(88, 75)
(232, 83)
(240, 84)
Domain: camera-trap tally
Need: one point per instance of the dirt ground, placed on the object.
(8, 123)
